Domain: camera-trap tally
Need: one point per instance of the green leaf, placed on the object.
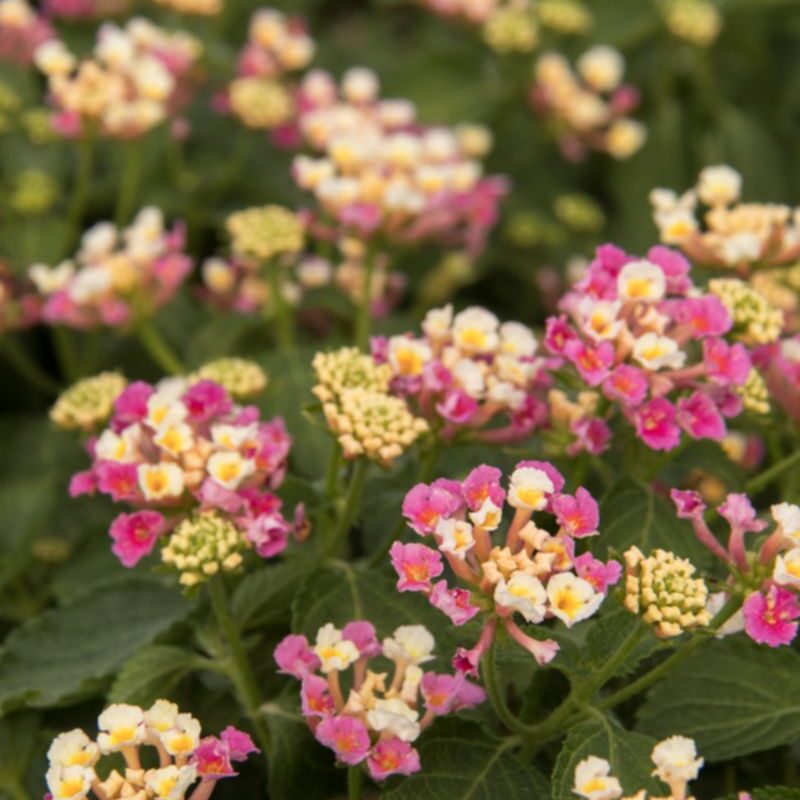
(55, 657)
(628, 753)
(17, 741)
(152, 673)
(264, 597)
(732, 697)
(461, 762)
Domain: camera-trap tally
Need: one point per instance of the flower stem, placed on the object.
(26, 366)
(615, 662)
(332, 471)
(129, 183)
(354, 492)
(364, 311)
(775, 471)
(65, 353)
(284, 324)
(157, 347)
(80, 191)
(240, 672)
(355, 782)
(493, 690)
(17, 791)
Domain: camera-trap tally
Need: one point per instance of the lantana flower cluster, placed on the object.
(657, 348)
(135, 78)
(780, 365)
(676, 764)
(375, 717)
(377, 171)
(184, 756)
(118, 276)
(696, 21)
(589, 109)
(89, 403)
(469, 374)
(22, 31)
(768, 575)
(261, 96)
(533, 573)
(20, 304)
(198, 470)
(366, 419)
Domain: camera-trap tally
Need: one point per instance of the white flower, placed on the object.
(601, 318)
(456, 537)
(153, 79)
(54, 58)
(360, 85)
(506, 394)
(175, 439)
(523, 593)
(439, 144)
(602, 68)
(475, 330)
(625, 137)
(232, 437)
(118, 447)
(517, 339)
(528, 488)
(171, 783)
(396, 717)
(98, 242)
(408, 356)
(469, 377)
(335, 653)
(656, 352)
(158, 481)
(411, 644)
(787, 569)
(49, 280)
(182, 739)
(69, 783)
(676, 759)
(676, 226)
(161, 716)
(719, 185)
(488, 516)
(512, 369)
(73, 748)
(114, 46)
(572, 599)
(787, 516)
(229, 469)
(641, 281)
(120, 726)
(593, 780)
(744, 246)
(89, 284)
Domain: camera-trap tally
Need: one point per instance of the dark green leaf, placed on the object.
(152, 673)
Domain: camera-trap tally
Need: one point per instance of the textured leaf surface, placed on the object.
(152, 673)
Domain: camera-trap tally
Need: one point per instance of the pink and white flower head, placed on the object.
(590, 106)
(531, 573)
(378, 721)
(181, 448)
(22, 31)
(117, 276)
(469, 374)
(654, 344)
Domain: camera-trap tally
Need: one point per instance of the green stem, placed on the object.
(157, 347)
(355, 782)
(83, 178)
(775, 471)
(129, 183)
(65, 353)
(284, 324)
(16, 790)
(615, 662)
(332, 471)
(240, 672)
(495, 694)
(364, 311)
(354, 492)
(26, 366)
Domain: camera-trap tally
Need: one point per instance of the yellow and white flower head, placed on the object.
(410, 644)
(676, 761)
(240, 377)
(455, 537)
(787, 517)
(572, 599)
(601, 318)
(518, 340)
(161, 716)
(437, 323)
(175, 439)
(641, 281)
(529, 488)
(469, 376)
(265, 232)
(360, 85)
(787, 569)
(172, 782)
(488, 516)
(54, 59)
(395, 717)
(475, 330)
(164, 408)
(73, 748)
(232, 437)
(524, 593)
(408, 356)
(182, 739)
(719, 185)
(335, 653)
(345, 369)
(161, 481)
(655, 352)
(88, 403)
(625, 137)
(69, 783)
(755, 319)
(594, 781)
(602, 68)
(230, 469)
(120, 725)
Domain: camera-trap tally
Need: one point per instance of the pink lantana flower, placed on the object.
(592, 435)
(295, 657)
(213, 760)
(593, 363)
(626, 384)
(600, 574)
(135, 535)
(415, 565)
(699, 416)
(392, 757)
(579, 515)
(315, 697)
(728, 364)
(455, 603)
(348, 737)
(483, 483)
(770, 618)
(703, 316)
(363, 635)
(656, 426)
(425, 505)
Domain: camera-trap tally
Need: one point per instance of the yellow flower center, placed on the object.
(157, 481)
(229, 471)
(793, 568)
(408, 361)
(531, 497)
(79, 757)
(70, 787)
(639, 287)
(166, 786)
(182, 743)
(122, 735)
(473, 337)
(568, 602)
(594, 785)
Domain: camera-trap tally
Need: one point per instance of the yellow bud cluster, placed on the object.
(579, 212)
(34, 192)
(265, 231)
(661, 588)
(696, 21)
(202, 8)
(754, 393)
(203, 545)
(565, 16)
(240, 377)
(345, 369)
(88, 403)
(511, 30)
(260, 103)
(373, 424)
(755, 320)
(38, 127)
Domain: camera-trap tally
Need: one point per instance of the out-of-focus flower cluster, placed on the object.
(184, 756)
(656, 346)
(135, 78)
(381, 717)
(469, 374)
(780, 364)
(200, 8)
(588, 109)
(366, 419)
(198, 470)
(676, 764)
(767, 574)
(697, 21)
(22, 31)
(117, 276)
(20, 305)
(533, 573)
(89, 403)
(85, 9)
(377, 171)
